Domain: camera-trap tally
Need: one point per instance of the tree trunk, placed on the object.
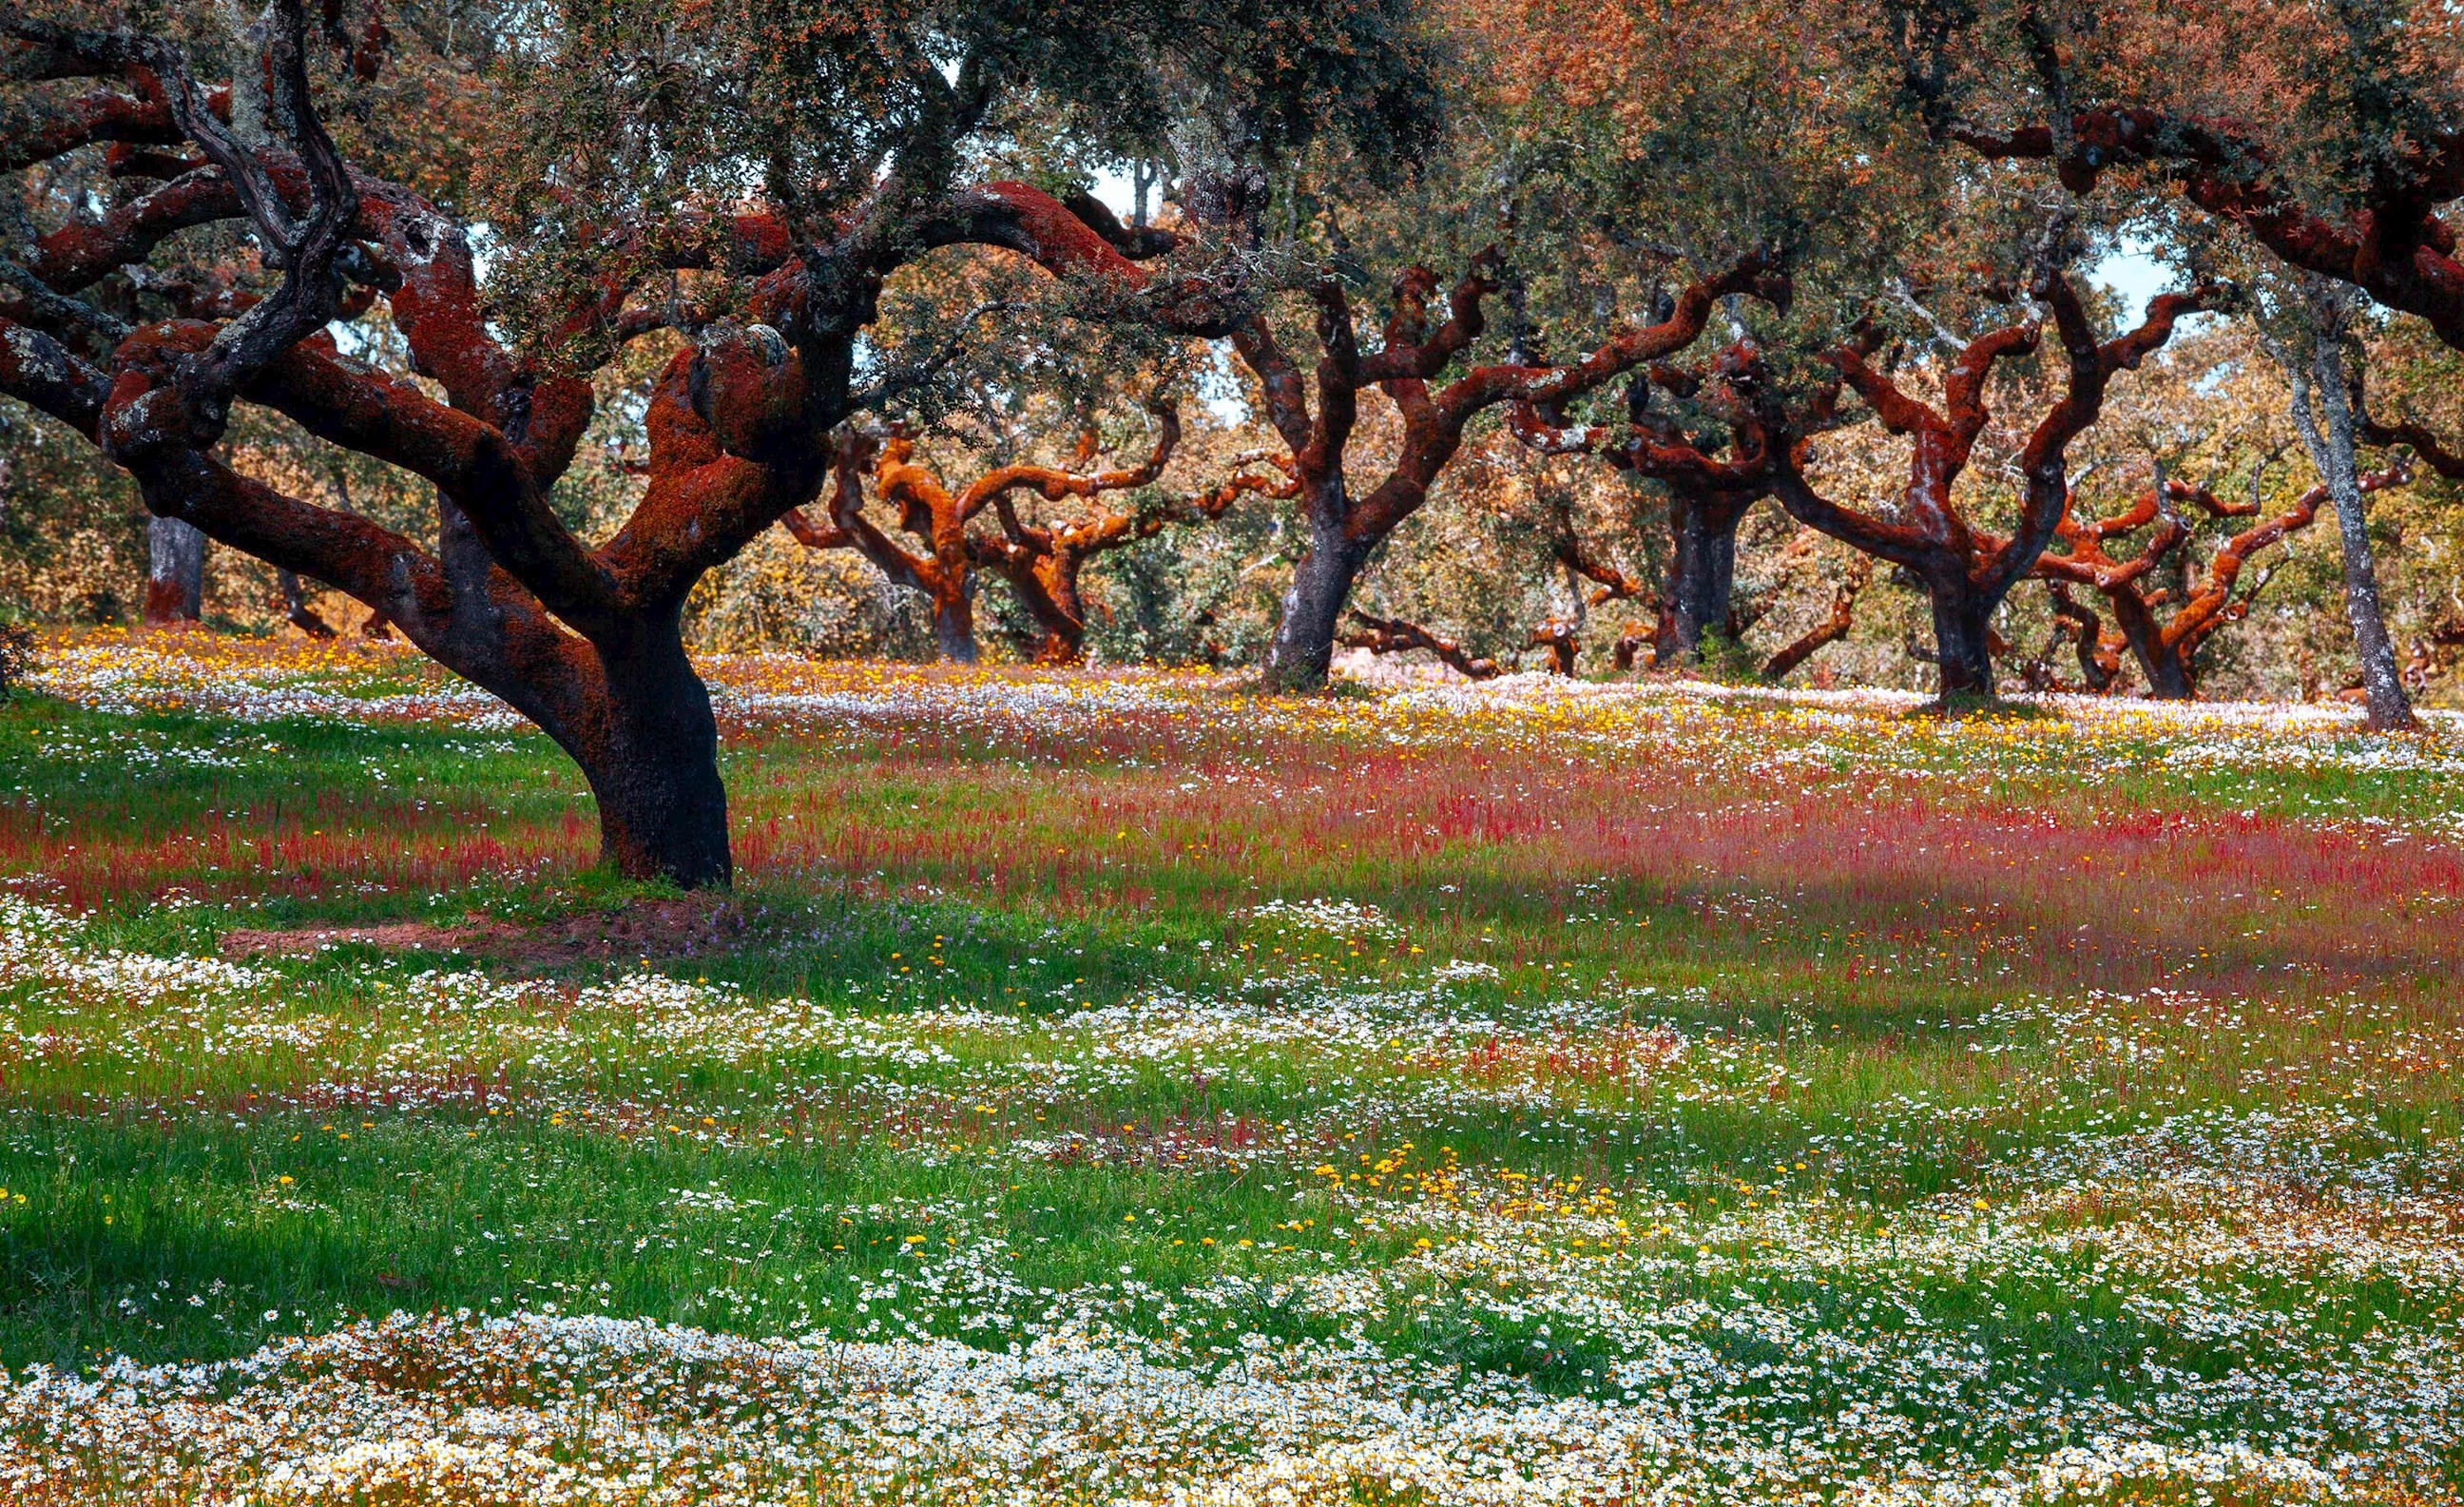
(175, 572)
(1962, 639)
(2167, 667)
(1304, 644)
(627, 706)
(1058, 649)
(652, 758)
(1703, 574)
(2390, 709)
(175, 548)
(296, 607)
(1065, 625)
(954, 626)
(2168, 675)
(2323, 410)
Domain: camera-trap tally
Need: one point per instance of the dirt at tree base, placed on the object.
(663, 928)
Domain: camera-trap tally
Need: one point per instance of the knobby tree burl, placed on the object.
(585, 640)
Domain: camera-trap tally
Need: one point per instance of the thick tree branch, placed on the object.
(2394, 247)
(1392, 635)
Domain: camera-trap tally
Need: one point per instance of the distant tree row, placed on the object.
(1484, 332)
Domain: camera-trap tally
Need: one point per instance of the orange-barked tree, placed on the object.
(861, 129)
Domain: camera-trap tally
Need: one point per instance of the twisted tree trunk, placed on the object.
(652, 758)
(1962, 636)
(2166, 665)
(953, 625)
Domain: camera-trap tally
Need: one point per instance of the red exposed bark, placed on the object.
(2165, 635)
(1966, 572)
(175, 574)
(1392, 635)
(1709, 495)
(2077, 629)
(1345, 530)
(1635, 639)
(1830, 630)
(2428, 660)
(1042, 561)
(584, 640)
(138, 115)
(2393, 245)
(1562, 639)
(1609, 582)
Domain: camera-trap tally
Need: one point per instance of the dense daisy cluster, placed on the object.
(599, 1410)
(262, 680)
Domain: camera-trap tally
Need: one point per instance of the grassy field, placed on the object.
(1121, 1087)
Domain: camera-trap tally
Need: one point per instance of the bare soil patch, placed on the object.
(687, 928)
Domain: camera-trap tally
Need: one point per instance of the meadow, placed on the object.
(1122, 1087)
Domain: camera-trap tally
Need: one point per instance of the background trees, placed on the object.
(636, 137)
(1501, 320)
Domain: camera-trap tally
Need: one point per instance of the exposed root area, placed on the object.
(663, 928)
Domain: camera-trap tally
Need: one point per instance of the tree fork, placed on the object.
(1344, 531)
(583, 639)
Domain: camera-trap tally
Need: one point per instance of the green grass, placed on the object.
(1799, 1064)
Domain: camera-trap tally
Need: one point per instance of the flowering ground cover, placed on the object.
(1120, 1087)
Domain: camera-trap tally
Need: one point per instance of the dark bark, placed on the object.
(1392, 635)
(1834, 626)
(1702, 572)
(743, 425)
(1966, 572)
(2391, 708)
(2166, 665)
(953, 625)
(652, 758)
(175, 572)
(295, 606)
(1304, 643)
(1345, 530)
(1962, 636)
(2168, 677)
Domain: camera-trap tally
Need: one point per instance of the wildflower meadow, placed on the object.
(1125, 1087)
